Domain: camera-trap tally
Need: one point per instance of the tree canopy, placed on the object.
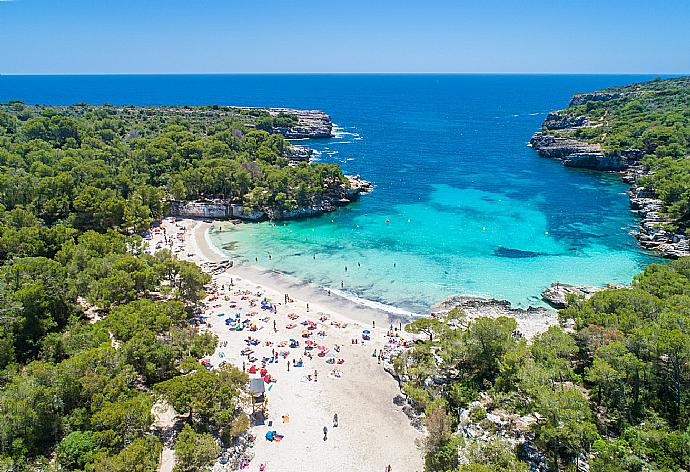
(614, 390)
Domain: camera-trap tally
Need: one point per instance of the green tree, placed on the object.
(194, 451)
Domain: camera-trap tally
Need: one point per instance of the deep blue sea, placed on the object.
(461, 204)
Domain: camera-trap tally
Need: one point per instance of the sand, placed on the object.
(372, 431)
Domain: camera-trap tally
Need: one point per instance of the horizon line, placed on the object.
(95, 74)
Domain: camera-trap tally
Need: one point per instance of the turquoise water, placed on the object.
(471, 208)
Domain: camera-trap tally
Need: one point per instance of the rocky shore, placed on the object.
(556, 141)
(531, 321)
(329, 201)
(310, 124)
(557, 294)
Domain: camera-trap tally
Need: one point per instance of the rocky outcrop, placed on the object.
(653, 234)
(557, 294)
(220, 209)
(531, 320)
(582, 98)
(299, 153)
(555, 120)
(575, 153)
(310, 124)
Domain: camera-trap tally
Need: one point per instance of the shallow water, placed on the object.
(471, 208)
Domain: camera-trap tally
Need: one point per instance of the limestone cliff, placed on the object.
(222, 209)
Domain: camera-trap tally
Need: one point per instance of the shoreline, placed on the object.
(531, 320)
(359, 309)
(372, 432)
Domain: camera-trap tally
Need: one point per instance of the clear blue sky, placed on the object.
(226, 36)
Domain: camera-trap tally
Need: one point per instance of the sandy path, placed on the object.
(372, 432)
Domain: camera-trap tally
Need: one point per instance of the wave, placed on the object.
(354, 298)
(339, 133)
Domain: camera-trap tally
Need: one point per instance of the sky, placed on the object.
(352, 36)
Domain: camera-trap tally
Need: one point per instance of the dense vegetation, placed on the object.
(92, 334)
(94, 330)
(615, 390)
(653, 117)
(104, 167)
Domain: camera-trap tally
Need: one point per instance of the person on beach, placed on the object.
(325, 433)
(288, 364)
(342, 284)
(307, 306)
(335, 420)
(329, 292)
(316, 375)
(373, 324)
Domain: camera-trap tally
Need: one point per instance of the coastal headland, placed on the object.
(584, 135)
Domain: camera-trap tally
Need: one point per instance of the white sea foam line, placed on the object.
(373, 304)
(344, 294)
(212, 246)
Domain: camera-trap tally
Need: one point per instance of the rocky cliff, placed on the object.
(222, 209)
(310, 123)
(558, 140)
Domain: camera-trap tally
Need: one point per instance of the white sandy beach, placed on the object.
(372, 432)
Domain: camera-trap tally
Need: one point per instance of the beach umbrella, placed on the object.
(321, 348)
(263, 372)
(305, 331)
(331, 355)
(309, 343)
(267, 378)
(366, 331)
(293, 340)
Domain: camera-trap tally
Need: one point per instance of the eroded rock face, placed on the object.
(311, 124)
(531, 321)
(575, 153)
(652, 234)
(222, 209)
(555, 120)
(582, 98)
(557, 294)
